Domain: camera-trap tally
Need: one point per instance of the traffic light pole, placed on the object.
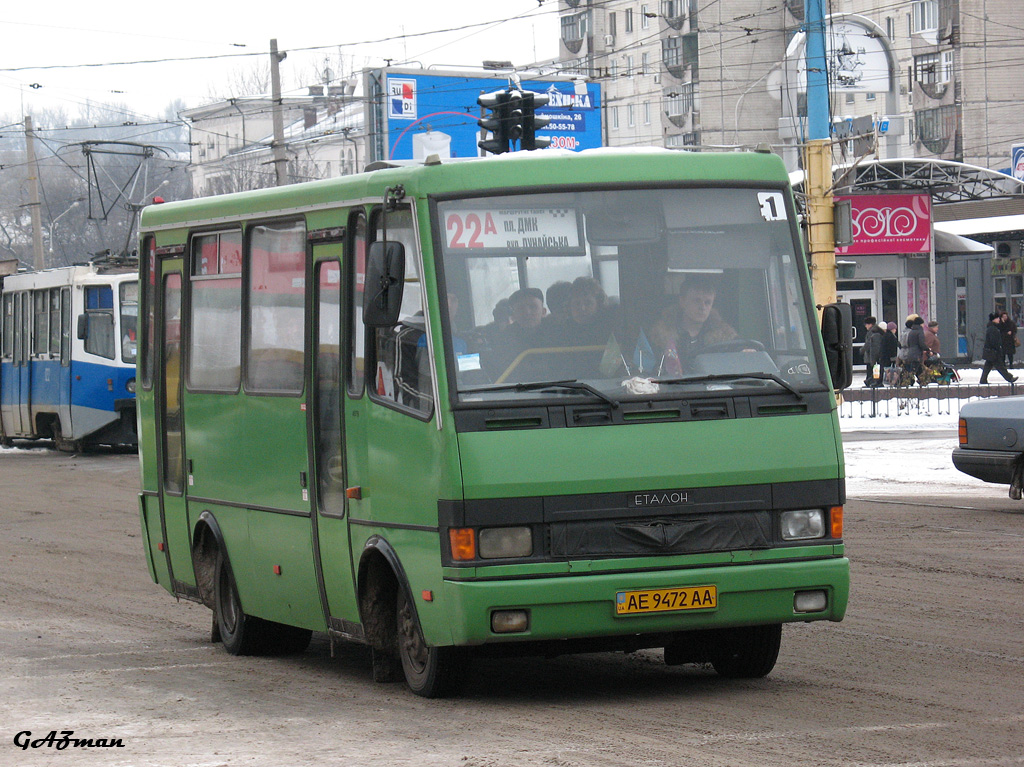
(818, 161)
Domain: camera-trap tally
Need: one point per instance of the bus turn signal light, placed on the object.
(836, 516)
(463, 541)
(962, 432)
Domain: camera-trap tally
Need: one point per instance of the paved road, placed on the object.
(926, 670)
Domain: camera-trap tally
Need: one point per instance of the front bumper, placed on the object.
(583, 606)
(988, 465)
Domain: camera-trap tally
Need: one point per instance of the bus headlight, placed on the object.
(504, 542)
(802, 524)
(130, 385)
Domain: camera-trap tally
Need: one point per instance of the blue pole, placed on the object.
(818, 121)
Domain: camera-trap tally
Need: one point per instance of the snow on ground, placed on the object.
(899, 454)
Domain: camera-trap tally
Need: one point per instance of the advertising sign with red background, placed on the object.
(889, 223)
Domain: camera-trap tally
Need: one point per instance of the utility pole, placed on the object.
(280, 160)
(818, 161)
(38, 258)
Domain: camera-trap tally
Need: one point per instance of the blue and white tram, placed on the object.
(67, 355)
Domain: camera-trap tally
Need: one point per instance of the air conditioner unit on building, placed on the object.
(609, 40)
(1004, 249)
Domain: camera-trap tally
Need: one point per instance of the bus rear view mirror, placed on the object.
(837, 333)
(83, 326)
(385, 282)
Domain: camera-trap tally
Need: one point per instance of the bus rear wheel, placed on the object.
(749, 652)
(430, 672)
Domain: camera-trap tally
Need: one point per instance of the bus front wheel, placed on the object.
(747, 653)
(430, 672)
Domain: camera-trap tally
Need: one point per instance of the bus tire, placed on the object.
(430, 672)
(238, 632)
(748, 652)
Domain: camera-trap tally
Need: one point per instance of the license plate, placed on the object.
(666, 600)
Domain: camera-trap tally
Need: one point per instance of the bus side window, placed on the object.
(215, 343)
(277, 292)
(8, 326)
(402, 373)
(355, 271)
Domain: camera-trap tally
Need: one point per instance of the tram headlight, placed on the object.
(504, 542)
(802, 524)
(130, 385)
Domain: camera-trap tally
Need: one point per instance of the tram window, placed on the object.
(402, 371)
(55, 322)
(99, 309)
(277, 267)
(8, 325)
(129, 321)
(215, 346)
(41, 302)
(356, 276)
(65, 327)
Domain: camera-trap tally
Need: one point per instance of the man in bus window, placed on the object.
(690, 325)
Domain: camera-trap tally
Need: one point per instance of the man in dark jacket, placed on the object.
(993, 351)
(917, 349)
(872, 351)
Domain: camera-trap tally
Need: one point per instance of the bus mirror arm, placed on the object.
(837, 334)
(385, 283)
(83, 326)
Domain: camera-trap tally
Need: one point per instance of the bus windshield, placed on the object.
(625, 294)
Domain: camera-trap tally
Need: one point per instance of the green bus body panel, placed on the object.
(655, 456)
(584, 606)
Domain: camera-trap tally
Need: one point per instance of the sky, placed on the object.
(222, 38)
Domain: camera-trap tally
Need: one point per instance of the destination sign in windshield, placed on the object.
(553, 231)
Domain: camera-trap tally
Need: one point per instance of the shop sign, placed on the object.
(889, 224)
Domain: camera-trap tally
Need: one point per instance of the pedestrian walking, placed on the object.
(890, 348)
(931, 338)
(1008, 328)
(872, 350)
(993, 352)
(916, 351)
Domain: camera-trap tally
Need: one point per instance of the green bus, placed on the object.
(543, 403)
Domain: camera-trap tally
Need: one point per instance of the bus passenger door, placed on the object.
(173, 509)
(329, 462)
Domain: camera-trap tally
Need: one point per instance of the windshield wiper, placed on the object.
(541, 385)
(732, 377)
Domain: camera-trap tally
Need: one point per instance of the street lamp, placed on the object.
(53, 222)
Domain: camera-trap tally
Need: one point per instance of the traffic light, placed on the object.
(497, 122)
(515, 115)
(531, 123)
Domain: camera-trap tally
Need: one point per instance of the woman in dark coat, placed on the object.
(993, 351)
(1008, 328)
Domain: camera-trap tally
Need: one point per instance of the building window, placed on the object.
(645, 63)
(629, 20)
(574, 28)
(645, 20)
(926, 68)
(925, 15)
(615, 118)
(613, 68)
(630, 115)
(890, 27)
(672, 52)
(935, 127)
(612, 25)
(647, 113)
(946, 72)
(629, 66)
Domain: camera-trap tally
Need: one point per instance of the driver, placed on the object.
(691, 324)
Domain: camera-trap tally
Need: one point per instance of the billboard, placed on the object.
(1017, 161)
(888, 224)
(420, 114)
